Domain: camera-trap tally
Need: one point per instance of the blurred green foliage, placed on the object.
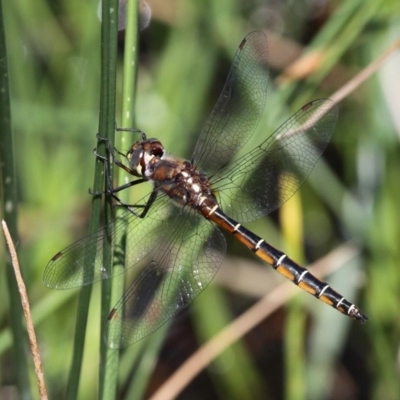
(53, 58)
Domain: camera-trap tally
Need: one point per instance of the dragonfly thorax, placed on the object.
(182, 182)
(144, 154)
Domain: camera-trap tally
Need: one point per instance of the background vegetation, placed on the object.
(305, 350)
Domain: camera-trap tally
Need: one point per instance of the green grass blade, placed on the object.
(10, 215)
(108, 371)
(106, 129)
(111, 356)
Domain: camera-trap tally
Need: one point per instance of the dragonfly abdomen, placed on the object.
(287, 267)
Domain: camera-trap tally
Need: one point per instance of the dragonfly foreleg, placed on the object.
(132, 131)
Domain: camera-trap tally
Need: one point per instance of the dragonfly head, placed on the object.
(142, 153)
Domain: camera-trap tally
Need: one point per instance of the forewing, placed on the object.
(263, 179)
(239, 107)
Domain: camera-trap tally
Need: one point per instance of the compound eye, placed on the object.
(157, 149)
(135, 157)
(142, 154)
(158, 152)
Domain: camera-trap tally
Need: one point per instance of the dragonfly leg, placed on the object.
(110, 190)
(132, 131)
(111, 150)
(129, 207)
(146, 207)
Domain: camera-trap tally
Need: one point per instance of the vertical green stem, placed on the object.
(109, 32)
(109, 359)
(9, 212)
(130, 66)
(295, 363)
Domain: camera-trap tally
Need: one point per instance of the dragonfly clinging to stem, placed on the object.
(173, 236)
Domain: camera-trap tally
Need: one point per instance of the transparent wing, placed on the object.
(263, 179)
(239, 107)
(181, 265)
(175, 253)
(132, 239)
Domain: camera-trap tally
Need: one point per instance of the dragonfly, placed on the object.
(173, 236)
